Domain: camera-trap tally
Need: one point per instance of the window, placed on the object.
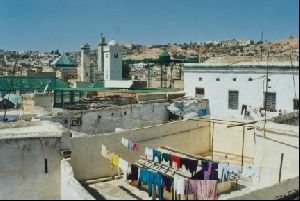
(106, 55)
(200, 78)
(218, 79)
(199, 92)
(116, 56)
(233, 100)
(234, 79)
(270, 101)
(296, 103)
(250, 79)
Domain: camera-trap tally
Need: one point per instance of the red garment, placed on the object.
(136, 147)
(176, 159)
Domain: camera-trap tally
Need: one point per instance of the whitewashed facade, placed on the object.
(229, 86)
(113, 61)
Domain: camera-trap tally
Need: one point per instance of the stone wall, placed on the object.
(106, 120)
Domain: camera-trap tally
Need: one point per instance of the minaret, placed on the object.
(113, 61)
(85, 64)
(101, 54)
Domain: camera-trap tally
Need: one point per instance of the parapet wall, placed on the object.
(71, 189)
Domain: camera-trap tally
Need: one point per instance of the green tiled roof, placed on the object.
(64, 61)
(31, 83)
(96, 85)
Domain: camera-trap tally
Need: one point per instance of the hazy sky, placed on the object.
(67, 24)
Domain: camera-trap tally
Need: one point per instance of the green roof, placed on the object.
(118, 90)
(164, 53)
(64, 61)
(96, 85)
(31, 83)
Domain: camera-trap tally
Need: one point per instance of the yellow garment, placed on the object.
(115, 160)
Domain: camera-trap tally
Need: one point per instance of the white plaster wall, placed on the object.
(137, 116)
(279, 139)
(118, 83)
(22, 168)
(71, 189)
(250, 92)
(229, 141)
(88, 163)
(112, 66)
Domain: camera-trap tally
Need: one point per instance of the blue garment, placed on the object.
(223, 171)
(130, 145)
(156, 179)
(156, 155)
(143, 178)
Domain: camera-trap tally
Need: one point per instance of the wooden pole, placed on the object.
(212, 142)
(280, 168)
(243, 147)
(153, 192)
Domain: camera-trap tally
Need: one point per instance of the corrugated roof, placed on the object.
(64, 61)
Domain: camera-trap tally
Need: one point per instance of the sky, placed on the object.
(47, 25)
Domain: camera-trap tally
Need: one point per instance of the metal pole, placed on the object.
(280, 168)
(266, 95)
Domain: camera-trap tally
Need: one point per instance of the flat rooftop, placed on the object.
(245, 64)
(23, 129)
(119, 190)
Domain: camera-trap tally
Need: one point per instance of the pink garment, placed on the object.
(190, 187)
(136, 147)
(201, 189)
(207, 190)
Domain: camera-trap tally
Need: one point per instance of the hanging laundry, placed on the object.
(136, 147)
(167, 183)
(157, 156)
(134, 175)
(143, 177)
(124, 142)
(130, 145)
(207, 169)
(175, 161)
(179, 184)
(189, 164)
(214, 172)
(207, 190)
(149, 153)
(115, 160)
(234, 170)
(223, 171)
(123, 165)
(155, 179)
(166, 159)
(250, 171)
(190, 187)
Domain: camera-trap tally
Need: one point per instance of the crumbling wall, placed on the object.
(190, 137)
(106, 120)
(22, 168)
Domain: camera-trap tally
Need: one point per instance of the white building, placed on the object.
(229, 87)
(85, 72)
(113, 61)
